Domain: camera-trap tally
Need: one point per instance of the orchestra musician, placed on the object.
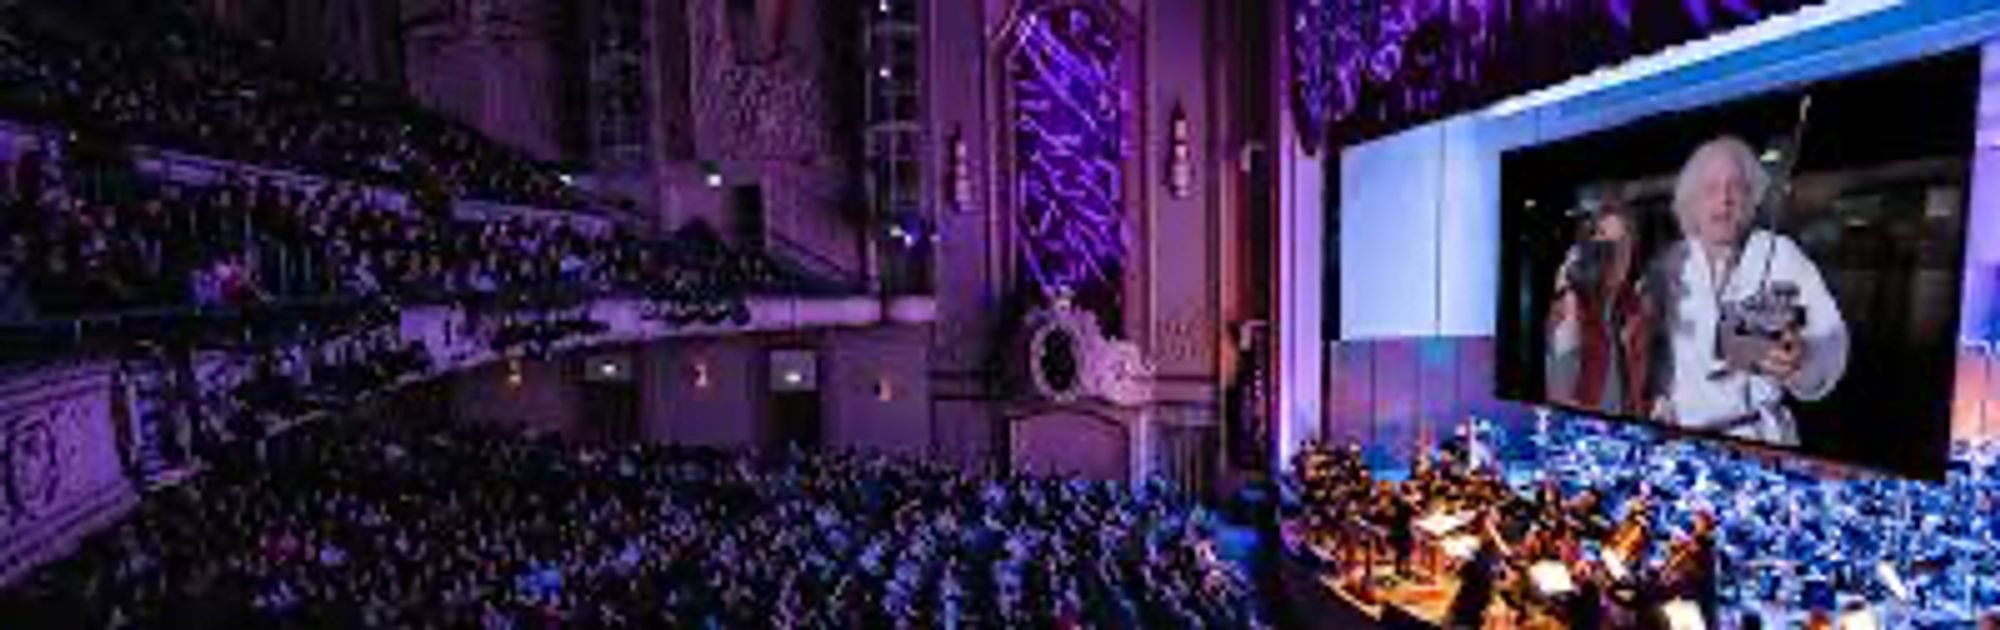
(1584, 610)
(1478, 577)
(1689, 572)
(1397, 512)
(1548, 500)
(1629, 544)
(1584, 516)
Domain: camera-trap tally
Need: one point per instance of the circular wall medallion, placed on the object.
(1056, 356)
(34, 465)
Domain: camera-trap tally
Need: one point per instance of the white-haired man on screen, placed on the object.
(1749, 319)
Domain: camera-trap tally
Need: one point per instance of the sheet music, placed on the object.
(1552, 578)
(1440, 524)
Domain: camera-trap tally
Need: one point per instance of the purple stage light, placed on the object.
(1314, 91)
(1069, 116)
(1363, 68)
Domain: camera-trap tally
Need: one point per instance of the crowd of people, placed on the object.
(361, 525)
(198, 412)
(244, 241)
(83, 232)
(149, 72)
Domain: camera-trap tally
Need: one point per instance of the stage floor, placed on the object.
(1421, 601)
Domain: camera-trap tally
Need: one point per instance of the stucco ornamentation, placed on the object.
(1070, 359)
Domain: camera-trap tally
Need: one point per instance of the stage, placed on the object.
(1784, 546)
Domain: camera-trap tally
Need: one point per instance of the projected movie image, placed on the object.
(1782, 270)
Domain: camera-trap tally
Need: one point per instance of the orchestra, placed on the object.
(1539, 554)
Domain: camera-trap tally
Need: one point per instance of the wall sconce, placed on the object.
(1180, 155)
(711, 174)
(885, 391)
(958, 173)
(514, 378)
(701, 380)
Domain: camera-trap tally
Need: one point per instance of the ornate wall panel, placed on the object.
(1089, 443)
(785, 115)
(777, 104)
(1362, 68)
(490, 63)
(61, 475)
(1065, 72)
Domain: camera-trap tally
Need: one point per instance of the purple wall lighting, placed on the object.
(1364, 68)
(1980, 317)
(1066, 76)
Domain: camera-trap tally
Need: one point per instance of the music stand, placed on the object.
(1682, 614)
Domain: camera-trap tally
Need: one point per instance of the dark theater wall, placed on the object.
(491, 64)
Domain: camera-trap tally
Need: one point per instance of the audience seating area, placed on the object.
(360, 525)
(245, 242)
(89, 234)
(382, 524)
(147, 72)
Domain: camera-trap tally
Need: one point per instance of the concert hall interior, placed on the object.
(1657, 314)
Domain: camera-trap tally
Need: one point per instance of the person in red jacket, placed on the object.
(1601, 323)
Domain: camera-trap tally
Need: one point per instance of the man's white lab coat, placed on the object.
(1700, 394)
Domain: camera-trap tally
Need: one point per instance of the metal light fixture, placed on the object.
(1180, 155)
(958, 171)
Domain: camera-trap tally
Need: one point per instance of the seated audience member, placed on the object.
(380, 526)
(15, 304)
(203, 246)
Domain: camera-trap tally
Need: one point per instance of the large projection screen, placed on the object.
(1783, 269)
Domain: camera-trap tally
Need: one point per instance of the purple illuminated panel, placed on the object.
(1364, 68)
(1980, 319)
(1067, 81)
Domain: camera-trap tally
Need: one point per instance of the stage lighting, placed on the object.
(1682, 56)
